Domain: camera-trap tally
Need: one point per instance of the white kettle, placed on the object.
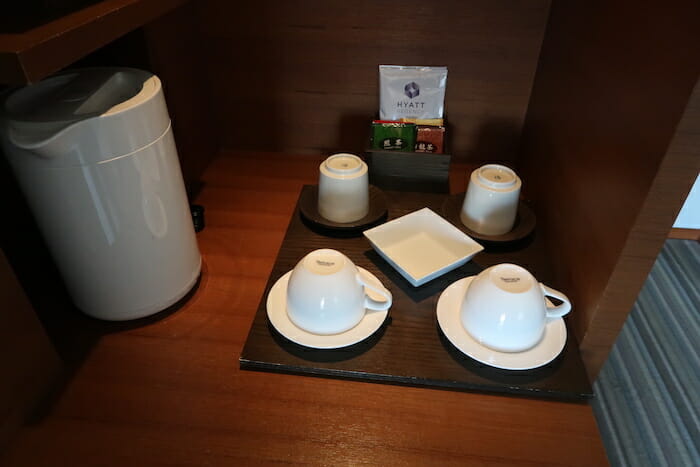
(94, 154)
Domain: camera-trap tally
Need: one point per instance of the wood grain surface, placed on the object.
(657, 212)
(168, 390)
(302, 75)
(684, 234)
(29, 56)
(172, 42)
(613, 82)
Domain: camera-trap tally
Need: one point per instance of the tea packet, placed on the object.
(411, 92)
(393, 136)
(430, 139)
(425, 121)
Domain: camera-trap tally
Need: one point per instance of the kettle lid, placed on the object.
(40, 110)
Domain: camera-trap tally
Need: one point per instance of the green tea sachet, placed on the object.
(393, 136)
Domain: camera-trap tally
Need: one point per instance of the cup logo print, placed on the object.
(325, 263)
(411, 90)
(510, 280)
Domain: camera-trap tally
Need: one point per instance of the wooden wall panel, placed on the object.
(658, 212)
(301, 76)
(173, 45)
(613, 81)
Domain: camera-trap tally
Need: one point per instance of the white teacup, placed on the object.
(343, 188)
(326, 293)
(504, 308)
(491, 201)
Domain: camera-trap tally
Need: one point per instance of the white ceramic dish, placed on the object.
(549, 347)
(422, 245)
(277, 314)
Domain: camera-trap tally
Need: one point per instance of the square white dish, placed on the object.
(422, 245)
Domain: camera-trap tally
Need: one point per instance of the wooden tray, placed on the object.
(410, 348)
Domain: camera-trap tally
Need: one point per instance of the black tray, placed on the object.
(410, 348)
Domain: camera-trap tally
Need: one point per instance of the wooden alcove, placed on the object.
(595, 103)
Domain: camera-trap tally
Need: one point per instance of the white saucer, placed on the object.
(545, 351)
(277, 314)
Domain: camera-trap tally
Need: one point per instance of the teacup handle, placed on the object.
(559, 310)
(371, 303)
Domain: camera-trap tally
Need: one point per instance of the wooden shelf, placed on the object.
(168, 389)
(34, 54)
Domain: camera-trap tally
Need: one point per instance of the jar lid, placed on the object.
(497, 176)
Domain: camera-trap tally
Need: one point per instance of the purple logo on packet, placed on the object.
(411, 90)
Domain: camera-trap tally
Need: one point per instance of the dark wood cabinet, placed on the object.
(596, 104)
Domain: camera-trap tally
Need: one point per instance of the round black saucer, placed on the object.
(308, 207)
(524, 221)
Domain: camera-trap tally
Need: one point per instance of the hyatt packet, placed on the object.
(411, 92)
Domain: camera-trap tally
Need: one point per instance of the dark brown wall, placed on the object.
(301, 76)
(174, 51)
(613, 82)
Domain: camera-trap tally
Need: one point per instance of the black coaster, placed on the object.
(525, 221)
(308, 208)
